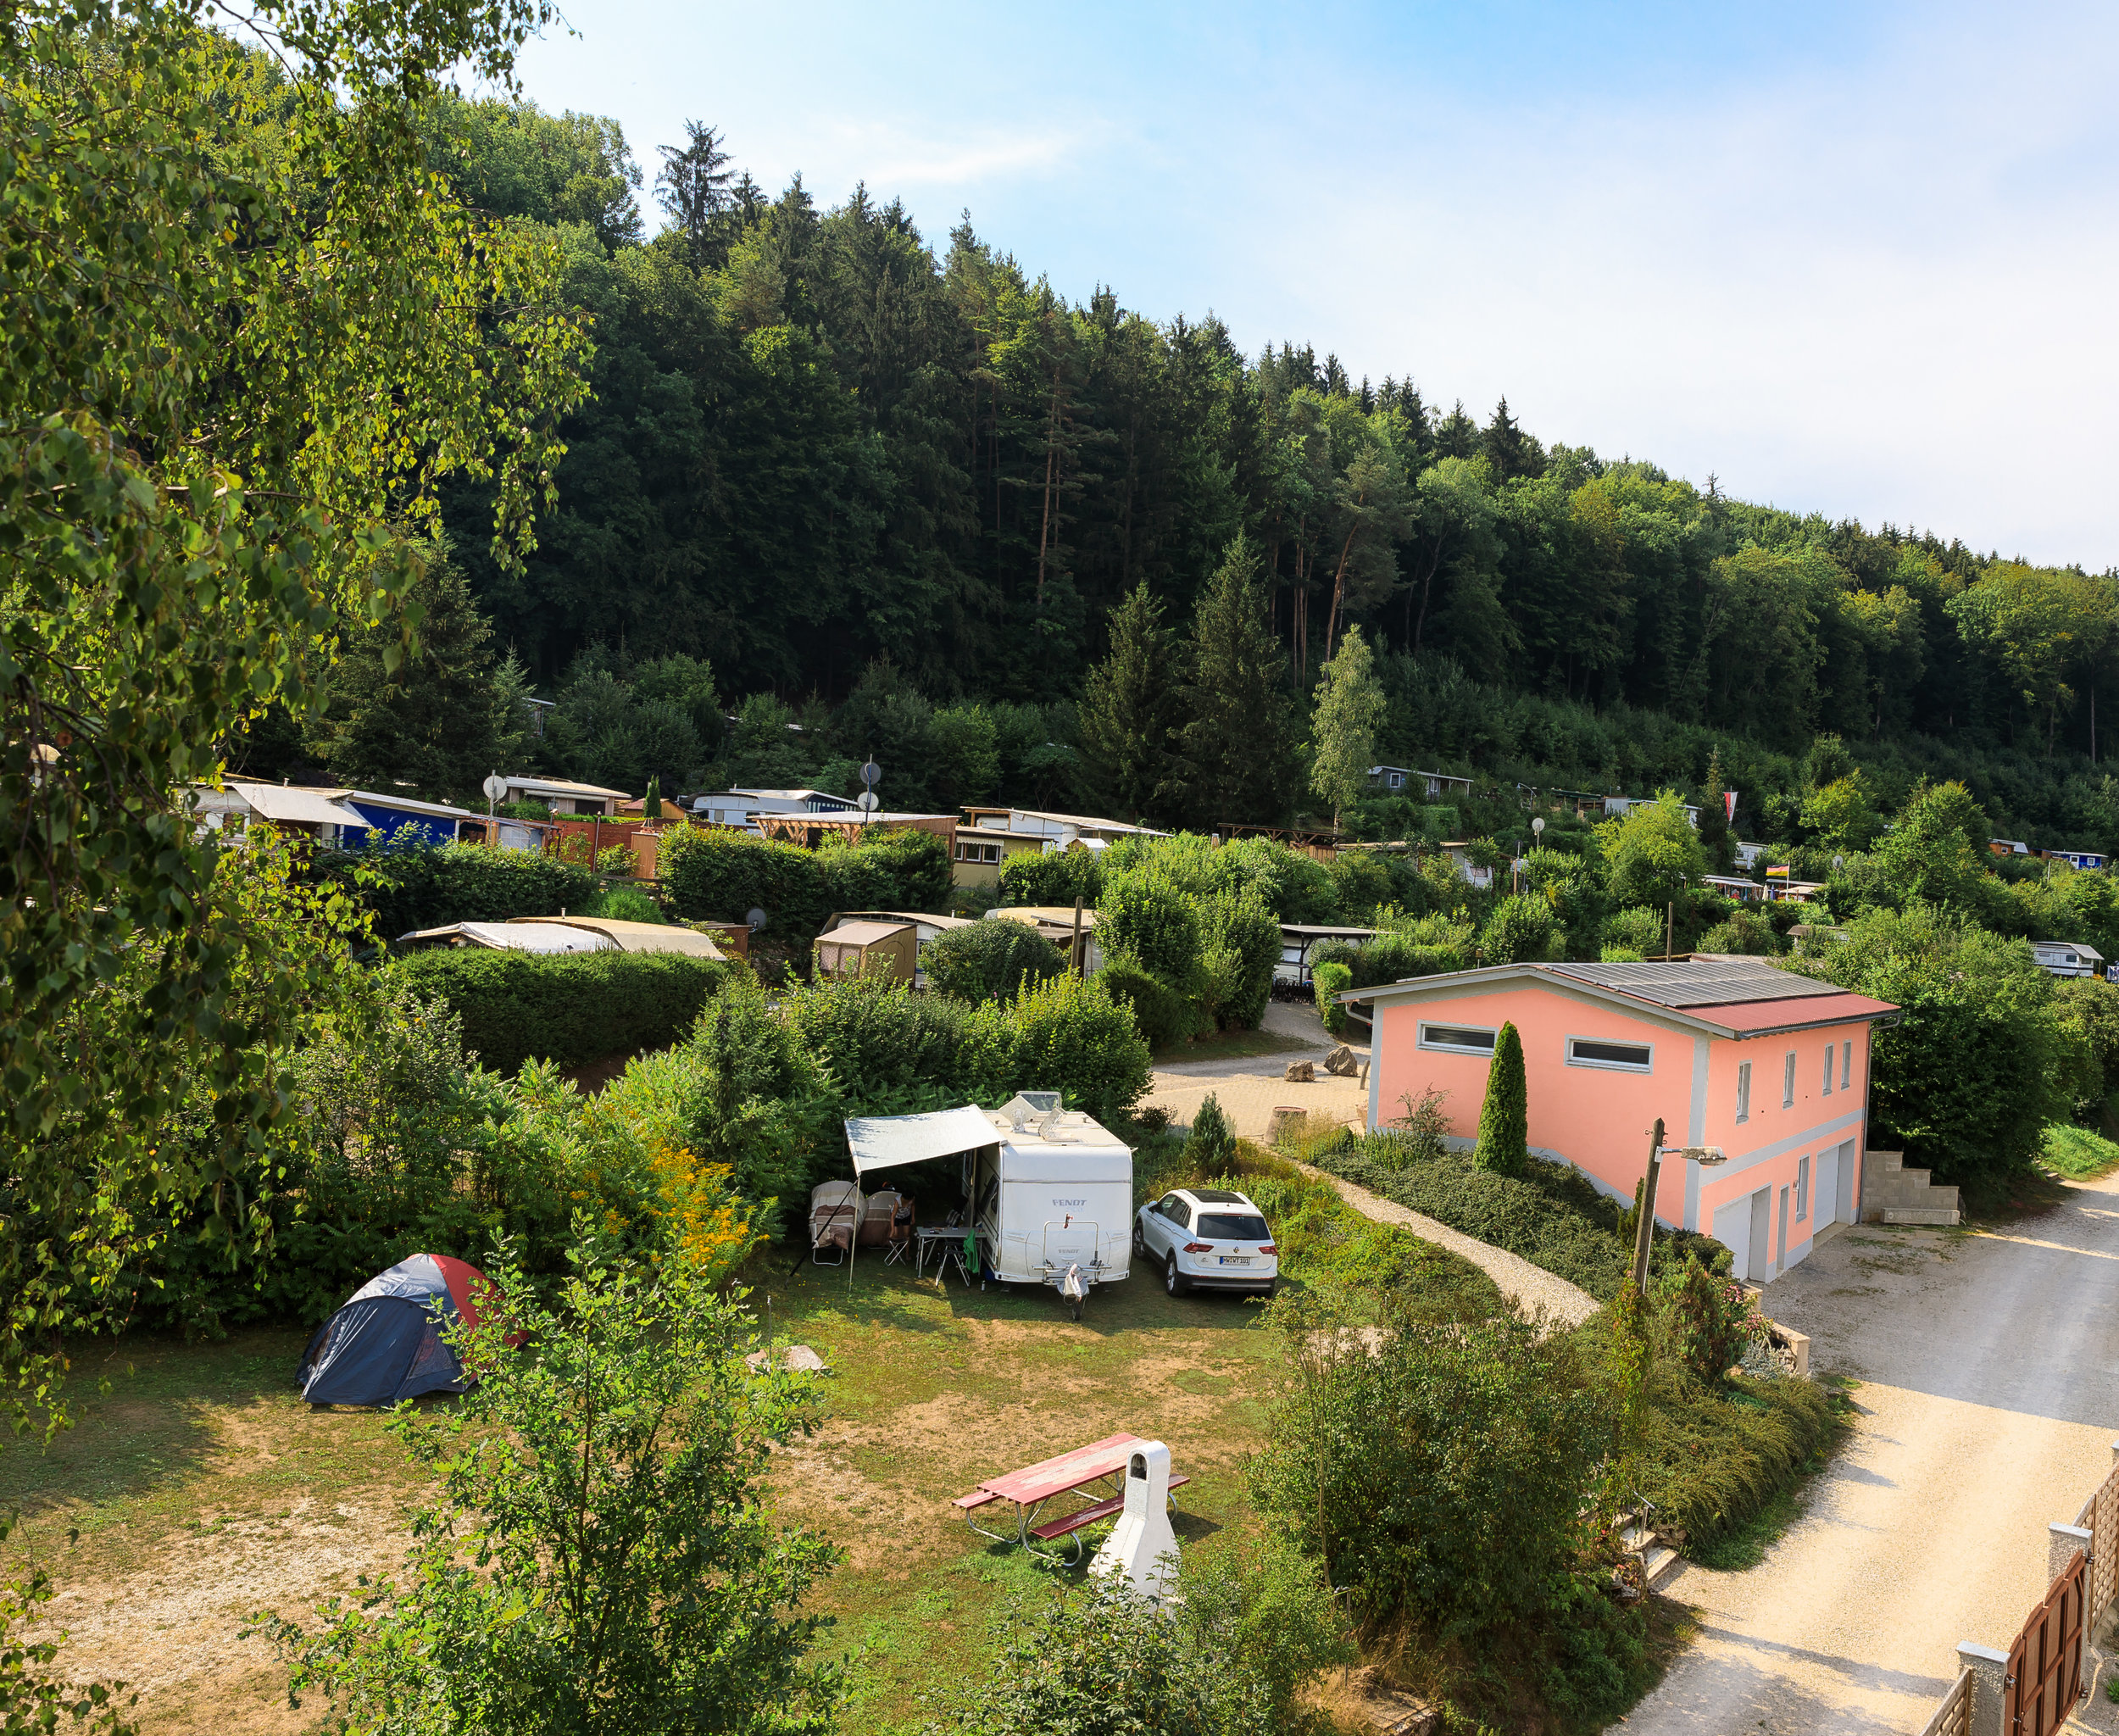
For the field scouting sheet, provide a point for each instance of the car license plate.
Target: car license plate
(1236, 1259)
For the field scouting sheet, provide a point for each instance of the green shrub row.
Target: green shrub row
(721, 877)
(429, 887)
(570, 1009)
(890, 1049)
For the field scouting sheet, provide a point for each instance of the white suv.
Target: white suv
(1208, 1238)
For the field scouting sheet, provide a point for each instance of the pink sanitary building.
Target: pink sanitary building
(1770, 1067)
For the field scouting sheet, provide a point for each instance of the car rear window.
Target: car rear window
(1230, 1226)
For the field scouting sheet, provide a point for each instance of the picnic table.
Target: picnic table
(1032, 1487)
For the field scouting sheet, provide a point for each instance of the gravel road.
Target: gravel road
(1988, 1403)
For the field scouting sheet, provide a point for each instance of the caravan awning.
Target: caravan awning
(884, 1141)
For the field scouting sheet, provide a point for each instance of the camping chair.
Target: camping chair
(951, 1253)
(900, 1232)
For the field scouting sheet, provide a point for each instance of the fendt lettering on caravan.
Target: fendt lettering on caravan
(1048, 1193)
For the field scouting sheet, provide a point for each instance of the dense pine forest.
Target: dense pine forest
(827, 457)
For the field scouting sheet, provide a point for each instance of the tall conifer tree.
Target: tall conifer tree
(1125, 715)
(1236, 750)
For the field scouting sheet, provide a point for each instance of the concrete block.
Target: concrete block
(1989, 1670)
(2063, 1543)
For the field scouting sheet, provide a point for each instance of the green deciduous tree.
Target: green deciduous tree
(252, 331)
(1349, 710)
(1652, 856)
(602, 1556)
(1503, 1144)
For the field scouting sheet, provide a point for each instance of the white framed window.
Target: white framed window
(1802, 1188)
(1830, 1057)
(1846, 1064)
(1787, 1081)
(1600, 1052)
(1458, 1039)
(1744, 1091)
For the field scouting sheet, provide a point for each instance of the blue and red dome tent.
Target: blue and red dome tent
(386, 1345)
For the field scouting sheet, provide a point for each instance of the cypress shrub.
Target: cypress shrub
(1210, 1147)
(570, 1008)
(1503, 1143)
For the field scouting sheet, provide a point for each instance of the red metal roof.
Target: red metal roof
(1746, 1017)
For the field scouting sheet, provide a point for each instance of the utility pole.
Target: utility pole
(1644, 1230)
(1074, 952)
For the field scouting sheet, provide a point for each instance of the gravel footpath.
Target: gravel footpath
(1988, 1400)
(1530, 1288)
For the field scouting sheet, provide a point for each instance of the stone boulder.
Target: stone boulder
(1302, 1072)
(1342, 1061)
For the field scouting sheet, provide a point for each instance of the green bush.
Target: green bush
(433, 887)
(1744, 931)
(1101, 1658)
(1522, 930)
(1637, 930)
(893, 870)
(1714, 1454)
(621, 904)
(989, 960)
(1072, 1036)
(1440, 1468)
(1504, 1117)
(569, 1007)
(1052, 877)
(1239, 949)
(881, 1040)
(1164, 1017)
(1146, 915)
(1328, 982)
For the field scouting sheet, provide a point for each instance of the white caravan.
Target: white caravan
(1049, 1192)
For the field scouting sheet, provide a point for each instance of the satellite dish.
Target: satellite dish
(756, 918)
(871, 774)
(495, 786)
(866, 802)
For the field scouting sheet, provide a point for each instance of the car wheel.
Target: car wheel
(1173, 1281)
(1271, 1290)
(1140, 1242)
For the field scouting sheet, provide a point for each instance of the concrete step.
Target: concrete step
(1917, 1215)
(1659, 1563)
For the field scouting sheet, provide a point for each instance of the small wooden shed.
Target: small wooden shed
(887, 949)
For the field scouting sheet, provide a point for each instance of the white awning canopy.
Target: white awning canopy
(520, 937)
(299, 807)
(884, 1141)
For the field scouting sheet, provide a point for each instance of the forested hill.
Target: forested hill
(818, 440)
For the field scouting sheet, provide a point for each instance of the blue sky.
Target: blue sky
(1854, 259)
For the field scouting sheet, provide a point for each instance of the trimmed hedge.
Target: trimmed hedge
(570, 1008)
(430, 887)
(1052, 877)
(721, 877)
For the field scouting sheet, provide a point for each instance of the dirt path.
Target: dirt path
(1988, 1403)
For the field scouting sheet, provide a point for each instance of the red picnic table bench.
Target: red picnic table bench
(1071, 1473)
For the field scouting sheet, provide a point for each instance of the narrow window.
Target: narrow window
(1829, 1058)
(1846, 1063)
(1461, 1039)
(1744, 1091)
(1787, 1081)
(1802, 1188)
(1627, 1057)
